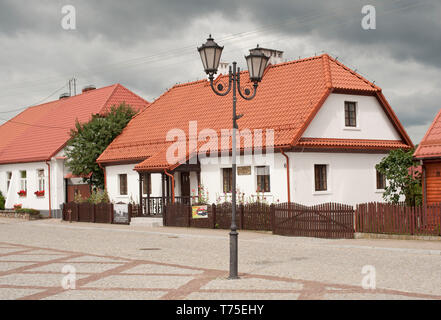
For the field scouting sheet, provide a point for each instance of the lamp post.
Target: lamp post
(210, 53)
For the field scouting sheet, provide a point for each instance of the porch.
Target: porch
(175, 185)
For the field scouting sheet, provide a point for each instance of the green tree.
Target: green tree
(2, 201)
(401, 179)
(89, 140)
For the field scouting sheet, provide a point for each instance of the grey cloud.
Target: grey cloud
(111, 31)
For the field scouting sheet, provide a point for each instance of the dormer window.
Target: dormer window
(350, 114)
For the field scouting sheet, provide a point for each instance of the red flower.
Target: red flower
(39, 193)
(22, 193)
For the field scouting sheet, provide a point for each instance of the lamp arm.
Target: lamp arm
(230, 80)
(240, 91)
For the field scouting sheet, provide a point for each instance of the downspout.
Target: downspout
(287, 175)
(50, 195)
(173, 184)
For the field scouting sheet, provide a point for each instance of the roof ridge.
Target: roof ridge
(110, 96)
(327, 71)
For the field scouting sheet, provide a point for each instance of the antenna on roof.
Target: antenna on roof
(73, 85)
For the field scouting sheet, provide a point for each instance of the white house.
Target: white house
(32, 162)
(329, 128)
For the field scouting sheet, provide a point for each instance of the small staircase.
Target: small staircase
(147, 222)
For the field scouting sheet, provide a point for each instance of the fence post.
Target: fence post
(130, 213)
(111, 213)
(189, 215)
(213, 213)
(78, 212)
(164, 217)
(94, 213)
(273, 217)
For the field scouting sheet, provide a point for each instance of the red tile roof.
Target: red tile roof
(39, 132)
(351, 143)
(430, 146)
(288, 98)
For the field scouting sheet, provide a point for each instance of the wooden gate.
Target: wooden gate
(329, 220)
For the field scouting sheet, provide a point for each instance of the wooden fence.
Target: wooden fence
(329, 220)
(248, 217)
(387, 218)
(88, 212)
(326, 221)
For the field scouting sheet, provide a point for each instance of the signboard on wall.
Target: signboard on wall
(121, 213)
(199, 212)
(244, 171)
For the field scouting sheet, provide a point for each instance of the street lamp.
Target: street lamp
(210, 53)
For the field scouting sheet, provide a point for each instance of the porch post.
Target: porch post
(163, 192)
(140, 193)
(199, 182)
(149, 183)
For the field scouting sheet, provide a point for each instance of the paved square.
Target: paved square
(193, 264)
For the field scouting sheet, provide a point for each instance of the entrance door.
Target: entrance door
(185, 187)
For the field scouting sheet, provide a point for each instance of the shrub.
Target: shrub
(99, 196)
(2, 201)
(30, 211)
(78, 198)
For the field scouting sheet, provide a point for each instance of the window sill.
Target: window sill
(352, 128)
(321, 193)
(380, 191)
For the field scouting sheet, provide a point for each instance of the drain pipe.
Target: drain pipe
(287, 174)
(173, 184)
(49, 176)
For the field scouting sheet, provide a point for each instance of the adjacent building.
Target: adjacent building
(32, 160)
(429, 154)
(328, 128)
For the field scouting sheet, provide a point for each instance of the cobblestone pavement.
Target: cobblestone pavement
(34, 271)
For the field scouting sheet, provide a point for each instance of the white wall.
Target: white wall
(112, 180)
(351, 177)
(372, 121)
(31, 200)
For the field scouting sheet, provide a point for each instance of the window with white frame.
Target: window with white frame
(381, 181)
(23, 181)
(321, 177)
(41, 179)
(8, 180)
(227, 179)
(350, 114)
(263, 179)
(123, 184)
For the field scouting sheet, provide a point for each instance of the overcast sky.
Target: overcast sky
(148, 46)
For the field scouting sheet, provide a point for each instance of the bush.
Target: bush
(30, 211)
(2, 201)
(99, 196)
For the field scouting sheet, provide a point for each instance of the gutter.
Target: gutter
(50, 196)
(287, 175)
(173, 184)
